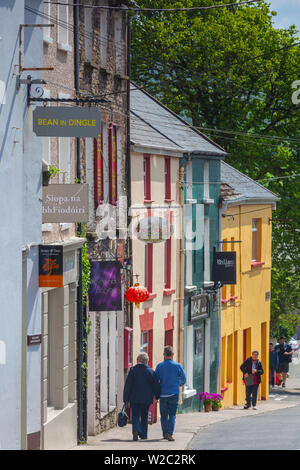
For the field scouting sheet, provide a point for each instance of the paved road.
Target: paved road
(278, 430)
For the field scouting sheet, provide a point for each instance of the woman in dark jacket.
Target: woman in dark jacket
(252, 371)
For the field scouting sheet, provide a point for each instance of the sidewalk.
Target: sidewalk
(187, 425)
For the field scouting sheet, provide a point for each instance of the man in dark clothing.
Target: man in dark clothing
(140, 388)
(253, 369)
(285, 353)
(273, 363)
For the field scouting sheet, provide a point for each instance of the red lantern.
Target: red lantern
(137, 294)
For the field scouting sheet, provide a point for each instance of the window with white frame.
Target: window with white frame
(63, 26)
(118, 41)
(144, 342)
(103, 38)
(88, 30)
(47, 20)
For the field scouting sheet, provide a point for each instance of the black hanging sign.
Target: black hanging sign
(224, 267)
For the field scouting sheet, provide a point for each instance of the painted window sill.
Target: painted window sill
(169, 291)
(257, 264)
(188, 393)
(231, 299)
(47, 40)
(169, 200)
(148, 201)
(225, 388)
(64, 47)
(208, 201)
(151, 296)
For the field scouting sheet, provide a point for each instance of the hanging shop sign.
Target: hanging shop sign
(65, 203)
(51, 266)
(224, 267)
(199, 307)
(68, 121)
(154, 229)
(105, 293)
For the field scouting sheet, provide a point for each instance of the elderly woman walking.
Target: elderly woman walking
(140, 388)
(252, 371)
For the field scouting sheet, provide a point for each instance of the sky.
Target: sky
(288, 12)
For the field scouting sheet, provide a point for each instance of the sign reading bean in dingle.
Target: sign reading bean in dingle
(66, 122)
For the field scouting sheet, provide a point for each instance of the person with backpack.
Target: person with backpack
(141, 387)
(252, 371)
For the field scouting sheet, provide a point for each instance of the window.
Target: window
(64, 159)
(103, 37)
(147, 178)
(63, 27)
(169, 338)
(118, 42)
(149, 267)
(98, 169)
(168, 255)
(47, 20)
(256, 240)
(229, 358)
(113, 164)
(147, 344)
(88, 31)
(167, 179)
(206, 179)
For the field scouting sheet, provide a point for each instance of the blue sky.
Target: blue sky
(288, 12)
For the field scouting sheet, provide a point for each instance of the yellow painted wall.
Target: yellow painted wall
(250, 311)
(161, 305)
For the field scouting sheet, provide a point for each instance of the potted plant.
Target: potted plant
(207, 401)
(216, 401)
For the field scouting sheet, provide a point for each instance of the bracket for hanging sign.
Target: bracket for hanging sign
(20, 65)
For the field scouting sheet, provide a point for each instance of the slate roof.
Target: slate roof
(243, 188)
(151, 122)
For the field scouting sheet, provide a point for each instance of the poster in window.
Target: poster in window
(51, 266)
(105, 293)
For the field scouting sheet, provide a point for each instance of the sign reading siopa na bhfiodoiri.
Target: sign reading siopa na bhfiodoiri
(66, 122)
(65, 203)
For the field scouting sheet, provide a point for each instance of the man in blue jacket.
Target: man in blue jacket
(171, 376)
(140, 388)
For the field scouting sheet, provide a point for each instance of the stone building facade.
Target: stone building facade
(104, 74)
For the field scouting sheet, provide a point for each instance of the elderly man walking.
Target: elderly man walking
(171, 376)
(140, 388)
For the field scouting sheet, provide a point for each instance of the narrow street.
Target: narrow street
(277, 430)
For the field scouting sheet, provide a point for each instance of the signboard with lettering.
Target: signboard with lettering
(224, 267)
(59, 121)
(65, 203)
(199, 307)
(51, 266)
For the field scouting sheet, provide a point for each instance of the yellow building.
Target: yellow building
(246, 227)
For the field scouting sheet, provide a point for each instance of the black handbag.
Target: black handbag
(122, 418)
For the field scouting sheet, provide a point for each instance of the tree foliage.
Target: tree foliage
(230, 69)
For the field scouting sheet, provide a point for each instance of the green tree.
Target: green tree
(230, 69)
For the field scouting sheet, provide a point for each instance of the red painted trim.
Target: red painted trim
(167, 178)
(147, 179)
(113, 164)
(257, 264)
(148, 201)
(146, 321)
(223, 389)
(232, 298)
(169, 322)
(225, 301)
(98, 170)
(169, 200)
(169, 337)
(169, 291)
